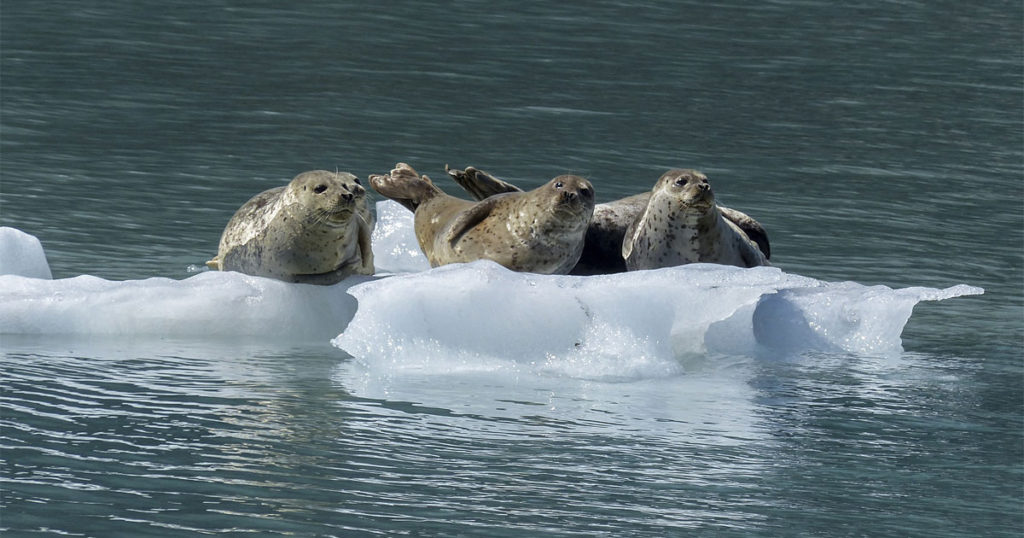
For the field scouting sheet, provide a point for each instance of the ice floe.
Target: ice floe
(465, 316)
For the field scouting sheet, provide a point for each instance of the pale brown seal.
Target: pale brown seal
(682, 224)
(602, 251)
(315, 230)
(540, 231)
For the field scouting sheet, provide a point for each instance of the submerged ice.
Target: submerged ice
(477, 316)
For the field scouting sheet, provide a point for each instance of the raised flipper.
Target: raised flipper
(480, 184)
(404, 186)
(751, 227)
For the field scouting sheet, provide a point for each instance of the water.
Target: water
(878, 142)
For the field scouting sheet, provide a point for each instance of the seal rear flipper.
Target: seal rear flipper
(215, 264)
(753, 257)
(468, 219)
(480, 184)
(404, 186)
(321, 279)
(750, 227)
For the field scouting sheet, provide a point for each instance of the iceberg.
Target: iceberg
(470, 317)
(632, 325)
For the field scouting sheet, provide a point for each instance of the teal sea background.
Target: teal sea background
(880, 142)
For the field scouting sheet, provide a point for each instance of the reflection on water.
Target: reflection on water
(877, 143)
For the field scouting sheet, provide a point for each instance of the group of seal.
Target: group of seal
(317, 228)
(676, 223)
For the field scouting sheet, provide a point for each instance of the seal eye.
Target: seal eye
(559, 185)
(681, 182)
(358, 182)
(319, 189)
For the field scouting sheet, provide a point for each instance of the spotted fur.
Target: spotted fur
(540, 231)
(682, 224)
(314, 230)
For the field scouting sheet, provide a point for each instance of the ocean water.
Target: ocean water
(880, 143)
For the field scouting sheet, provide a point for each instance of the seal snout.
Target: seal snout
(352, 192)
(573, 189)
(582, 194)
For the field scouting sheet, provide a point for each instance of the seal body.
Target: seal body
(314, 230)
(539, 231)
(602, 250)
(682, 224)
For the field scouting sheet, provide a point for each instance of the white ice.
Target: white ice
(475, 316)
(644, 324)
(22, 254)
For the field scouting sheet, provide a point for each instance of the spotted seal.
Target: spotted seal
(682, 224)
(540, 231)
(602, 251)
(314, 230)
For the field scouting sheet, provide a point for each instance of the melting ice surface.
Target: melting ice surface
(466, 316)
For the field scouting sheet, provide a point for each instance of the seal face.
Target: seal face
(539, 231)
(314, 230)
(602, 250)
(682, 224)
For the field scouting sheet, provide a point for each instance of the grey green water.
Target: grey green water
(879, 142)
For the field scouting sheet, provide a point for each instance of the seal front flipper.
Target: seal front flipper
(633, 236)
(750, 227)
(480, 184)
(468, 219)
(364, 246)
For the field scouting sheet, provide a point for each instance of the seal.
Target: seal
(539, 231)
(682, 224)
(314, 230)
(602, 250)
